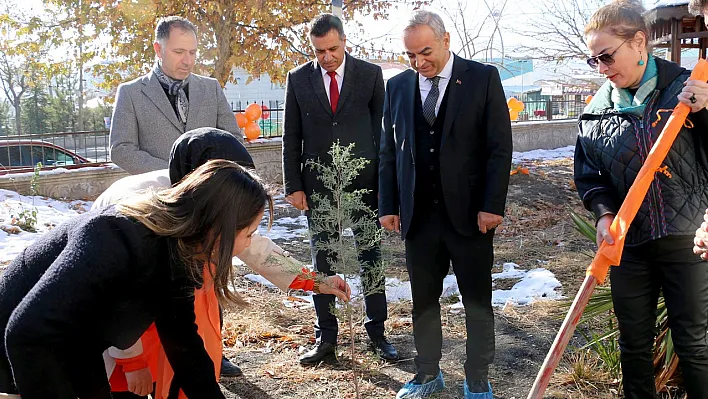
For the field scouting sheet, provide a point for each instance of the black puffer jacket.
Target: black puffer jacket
(612, 147)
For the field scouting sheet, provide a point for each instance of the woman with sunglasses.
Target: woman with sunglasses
(617, 130)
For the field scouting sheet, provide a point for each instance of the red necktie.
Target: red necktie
(333, 90)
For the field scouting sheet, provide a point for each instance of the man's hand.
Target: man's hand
(603, 230)
(298, 200)
(391, 223)
(701, 240)
(139, 381)
(487, 221)
(335, 285)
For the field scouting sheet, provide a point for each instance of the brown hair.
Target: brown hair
(696, 7)
(204, 212)
(621, 18)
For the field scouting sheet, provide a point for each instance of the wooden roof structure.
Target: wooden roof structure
(673, 27)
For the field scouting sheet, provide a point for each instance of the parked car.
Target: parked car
(23, 154)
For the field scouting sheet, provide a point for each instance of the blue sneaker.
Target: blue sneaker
(478, 395)
(422, 386)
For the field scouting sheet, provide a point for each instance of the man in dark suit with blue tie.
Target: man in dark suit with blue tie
(443, 176)
(335, 98)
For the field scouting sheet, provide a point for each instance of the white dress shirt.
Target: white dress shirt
(339, 76)
(425, 84)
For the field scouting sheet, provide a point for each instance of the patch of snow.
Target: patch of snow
(58, 171)
(260, 279)
(50, 212)
(265, 140)
(535, 284)
(509, 270)
(538, 155)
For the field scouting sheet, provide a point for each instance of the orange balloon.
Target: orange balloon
(253, 112)
(252, 130)
(588, 99)
(515, 105)
(513, 115)
(241, 120)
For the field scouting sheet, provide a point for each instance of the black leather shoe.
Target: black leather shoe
(318, 353)
(229, 369)
(385, 350)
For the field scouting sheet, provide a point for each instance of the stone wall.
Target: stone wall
(267, 157)
(84, 183)
(527, 136)
(91, 182)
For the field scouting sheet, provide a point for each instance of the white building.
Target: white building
(260, 90)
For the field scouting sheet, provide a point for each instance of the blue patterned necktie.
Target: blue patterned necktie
(431, 101)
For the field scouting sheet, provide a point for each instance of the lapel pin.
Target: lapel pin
(458, 82)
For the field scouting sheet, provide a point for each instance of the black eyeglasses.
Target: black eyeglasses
(607, 59)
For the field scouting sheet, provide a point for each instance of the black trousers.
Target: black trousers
(667, 264)
(326, 327)
(431, 245)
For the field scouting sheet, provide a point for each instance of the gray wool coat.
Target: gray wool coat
(144, 124)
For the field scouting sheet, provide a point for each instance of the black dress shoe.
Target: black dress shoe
(385, 350)
(318, 353)
(229, 369)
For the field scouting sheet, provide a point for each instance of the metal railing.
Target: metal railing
(548, 110)
(92, 147)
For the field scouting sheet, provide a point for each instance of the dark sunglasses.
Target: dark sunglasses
(607, 59)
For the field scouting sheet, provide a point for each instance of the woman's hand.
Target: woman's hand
(139, 381)
(694, 94)
(335, 285)
(603, 230)
(700, 242)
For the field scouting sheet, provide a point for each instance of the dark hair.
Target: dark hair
(203, 213)
(696, 7)
(621, 18)
(165, 25)
(322, 24)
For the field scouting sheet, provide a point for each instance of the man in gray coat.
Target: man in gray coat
(152, 111)
(316, 116)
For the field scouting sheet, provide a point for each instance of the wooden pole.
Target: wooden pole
(566, 332)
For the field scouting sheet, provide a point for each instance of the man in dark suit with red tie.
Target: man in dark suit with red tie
(444, 172)
(335, 98)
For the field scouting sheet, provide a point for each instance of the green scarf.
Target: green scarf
(624, 102)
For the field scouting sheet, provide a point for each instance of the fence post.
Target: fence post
(549, 110)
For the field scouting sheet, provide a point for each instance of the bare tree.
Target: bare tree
(557, 30)
(472, 26)
(14, 83)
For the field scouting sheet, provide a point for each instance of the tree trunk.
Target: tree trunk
(222, 64)
(18, 116)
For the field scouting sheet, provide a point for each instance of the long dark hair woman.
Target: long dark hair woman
(617, 130)
(101, 279)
